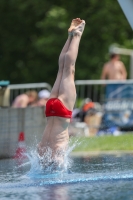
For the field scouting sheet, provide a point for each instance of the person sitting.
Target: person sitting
(43, 96)
(62, 99)
(24, 100)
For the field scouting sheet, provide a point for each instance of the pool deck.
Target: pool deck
(97, 153)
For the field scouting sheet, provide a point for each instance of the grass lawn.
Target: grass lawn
(102, 143)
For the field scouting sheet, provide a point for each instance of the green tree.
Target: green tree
(32, 34)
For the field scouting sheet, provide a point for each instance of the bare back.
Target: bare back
(56, 133)
(114, 71)
(21, 101)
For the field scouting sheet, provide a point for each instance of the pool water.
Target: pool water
(91, 177)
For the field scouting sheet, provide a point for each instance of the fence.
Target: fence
(96, 89)
(31, 121)
(8, 94)
(116, 98)
(93, 89)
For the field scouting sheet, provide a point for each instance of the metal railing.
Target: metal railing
(95, 89)
(17, 89)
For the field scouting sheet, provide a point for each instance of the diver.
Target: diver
(60, 105)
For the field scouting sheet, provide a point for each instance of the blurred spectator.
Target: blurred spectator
(43, 96)
(24, 100)
(91, 113)
(79, 114)
(114, 69)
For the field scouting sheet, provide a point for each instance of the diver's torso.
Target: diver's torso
(56, 133)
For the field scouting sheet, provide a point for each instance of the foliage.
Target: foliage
(32, 34)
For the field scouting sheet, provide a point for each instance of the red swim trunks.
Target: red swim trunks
(54, 107)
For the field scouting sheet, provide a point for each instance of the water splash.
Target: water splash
(36, 175)
(45, 166)
(46, 173)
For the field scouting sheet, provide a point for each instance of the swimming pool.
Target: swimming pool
(89, 177)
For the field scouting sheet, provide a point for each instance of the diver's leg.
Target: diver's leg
(67, 91)
(55, 89)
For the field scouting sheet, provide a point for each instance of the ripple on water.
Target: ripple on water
(29, 172)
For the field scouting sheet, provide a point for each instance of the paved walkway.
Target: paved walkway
(97, 153)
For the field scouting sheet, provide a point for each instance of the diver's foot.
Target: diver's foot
(74, 23)
(77, 27)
